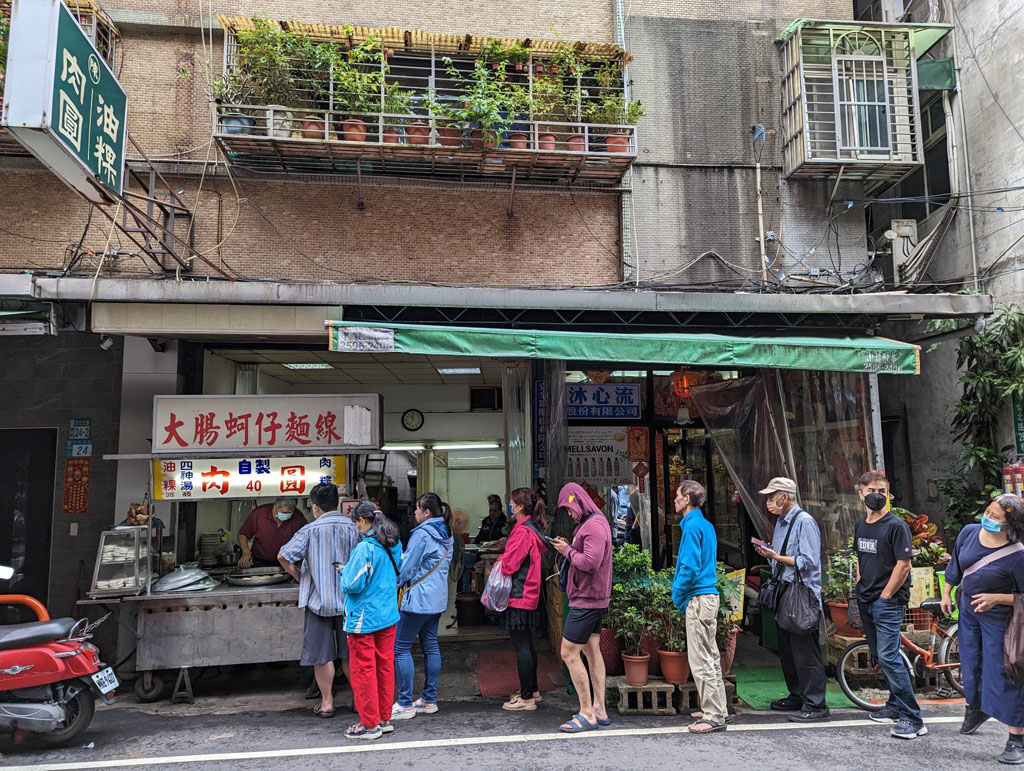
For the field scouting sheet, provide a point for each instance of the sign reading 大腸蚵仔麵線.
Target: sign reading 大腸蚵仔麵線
(63, 102)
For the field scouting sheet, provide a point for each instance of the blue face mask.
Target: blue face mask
(511, 510)
(284, 516)
(991, 525)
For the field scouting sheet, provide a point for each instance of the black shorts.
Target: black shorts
(582, 623)
(323, 639)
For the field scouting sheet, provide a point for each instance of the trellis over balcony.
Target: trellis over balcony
(851, 107)
(420, 105)
(102, 33)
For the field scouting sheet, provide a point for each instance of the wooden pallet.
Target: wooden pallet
(655, 698)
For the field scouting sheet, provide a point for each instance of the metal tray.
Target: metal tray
(258, 577)
(178, 579)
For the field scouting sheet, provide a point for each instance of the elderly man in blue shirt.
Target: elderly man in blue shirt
(796, 546)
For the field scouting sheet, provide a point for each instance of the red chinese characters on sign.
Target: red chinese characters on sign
(237, 424)
(298, 429)
(215, 479)
(267, 424)
(207, 431)
(325, 428)
(293, 479)
(171, 430)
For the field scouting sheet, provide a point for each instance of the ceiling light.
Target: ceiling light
(402, 447)
(468, 446)
(458, 370)
(312, 365)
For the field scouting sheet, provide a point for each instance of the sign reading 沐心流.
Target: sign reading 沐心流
(62, 101)
(307, 424)
(251, 477)
(611, 401)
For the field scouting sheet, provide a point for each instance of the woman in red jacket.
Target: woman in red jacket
(521, 560)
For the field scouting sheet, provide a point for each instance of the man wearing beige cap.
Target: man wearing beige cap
(796, 548)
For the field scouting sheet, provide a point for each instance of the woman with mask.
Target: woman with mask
(370, 583)
(521, 561)
(424, 580)
(988, 565)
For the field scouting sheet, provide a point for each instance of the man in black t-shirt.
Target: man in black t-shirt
(883, 545)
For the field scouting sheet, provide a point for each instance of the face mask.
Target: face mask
(511, 510)
(284, 516)
(875, 501)
(991, 525)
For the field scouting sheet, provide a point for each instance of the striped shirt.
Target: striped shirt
(329, 538)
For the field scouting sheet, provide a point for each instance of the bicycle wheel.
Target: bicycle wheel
(862, 679)
(949, 653)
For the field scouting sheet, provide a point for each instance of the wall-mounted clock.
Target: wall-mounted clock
(412, 420)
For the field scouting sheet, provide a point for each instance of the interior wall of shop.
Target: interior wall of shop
(705, 82)
(996, 153)
(45, 383)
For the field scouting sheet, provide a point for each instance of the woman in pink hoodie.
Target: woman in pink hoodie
(521, 560)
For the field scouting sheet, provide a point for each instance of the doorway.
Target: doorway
(26, 513)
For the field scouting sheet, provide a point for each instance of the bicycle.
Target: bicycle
(863, 681)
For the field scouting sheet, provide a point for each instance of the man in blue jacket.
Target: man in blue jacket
(695, 593)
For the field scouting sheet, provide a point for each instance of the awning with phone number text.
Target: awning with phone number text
(837, 353)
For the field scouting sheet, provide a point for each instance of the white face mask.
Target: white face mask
(284, 516)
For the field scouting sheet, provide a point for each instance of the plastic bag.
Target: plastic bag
(496, 592)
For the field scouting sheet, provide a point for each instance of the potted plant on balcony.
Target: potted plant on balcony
(517, 55)
(838, 586)
(359, 77)
(312, 65)
(669, 629)
(554, 103)
(610, 111)
(397, 102)
(488, 103)
(5, 34)
(264, 61)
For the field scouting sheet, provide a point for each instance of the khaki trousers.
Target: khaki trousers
(705, 660)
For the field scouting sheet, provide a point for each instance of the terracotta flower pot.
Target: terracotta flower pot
(650, 646)
(391, 135)
(577, 143)
(518, 140)
(636, 668)
(546, 142)
(675, 667)
(313, 127)
(840, 617)
(617, 142)
(519, 66)
(729, 654)
(450, 136)
(418, 133)
(353, 130)
(478, 138)
(611, 652)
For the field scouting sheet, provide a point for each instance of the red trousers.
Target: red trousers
(372, 661)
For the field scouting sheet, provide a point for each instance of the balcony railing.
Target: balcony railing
(295, 140)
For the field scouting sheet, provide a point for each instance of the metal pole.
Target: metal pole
(967, 158)
(760, 223)
(876, 423)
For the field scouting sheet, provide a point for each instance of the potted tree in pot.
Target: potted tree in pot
(487, 104)
(265, 60)
(837, 587)
(631, 569)
(730, 599)
(397, 105)
(612, 110)
(631, 622)
(669, 629)
(358, 82)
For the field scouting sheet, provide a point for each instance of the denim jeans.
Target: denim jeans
(881, 620)
(411, 626)
(469, 560)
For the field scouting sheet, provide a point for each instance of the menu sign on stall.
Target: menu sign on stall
(251, 477)
(305, 424)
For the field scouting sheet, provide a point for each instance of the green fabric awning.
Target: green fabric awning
(799, 351)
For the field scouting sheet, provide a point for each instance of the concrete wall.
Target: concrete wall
(705, 79)
(47, 382)
(996, 155)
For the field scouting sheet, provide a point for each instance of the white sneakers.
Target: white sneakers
(399, 712)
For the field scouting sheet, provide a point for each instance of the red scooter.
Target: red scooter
(50, 676)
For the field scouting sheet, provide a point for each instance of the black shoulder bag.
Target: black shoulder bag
(799, 609)
(771, 592)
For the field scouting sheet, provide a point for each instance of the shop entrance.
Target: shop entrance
(26, 513)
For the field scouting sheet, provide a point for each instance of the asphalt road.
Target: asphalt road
(477, 734)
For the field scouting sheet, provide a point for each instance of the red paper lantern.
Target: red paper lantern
(681, 384)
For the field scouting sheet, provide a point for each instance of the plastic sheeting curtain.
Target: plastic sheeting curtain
(812, 426)
(552, 424)
(516, 382)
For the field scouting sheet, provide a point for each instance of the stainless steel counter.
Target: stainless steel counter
(222, 593)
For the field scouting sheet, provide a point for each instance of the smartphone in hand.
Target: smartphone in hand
(759, 542)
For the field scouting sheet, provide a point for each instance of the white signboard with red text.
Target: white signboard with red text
(177, 479)
(302, 424)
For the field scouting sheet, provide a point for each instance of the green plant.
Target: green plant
(615, 110)
(840, 573)
(397, 101)
(5, 35)
(628, 617)
(992, 369)
(608, 75)
(630, 565)
(730, 597)
(517, 53)
(264, 63)
(927, 545)
(668, 625)
(554, 101)
(488, 101)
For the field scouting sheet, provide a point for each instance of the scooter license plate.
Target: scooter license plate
(105, 680)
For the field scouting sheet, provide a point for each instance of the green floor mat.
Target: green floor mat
(760, 686)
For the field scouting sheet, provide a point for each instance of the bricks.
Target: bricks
(655, 698)
(687, 700)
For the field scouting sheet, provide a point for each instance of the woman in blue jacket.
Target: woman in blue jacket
(424, 579)
(370, 583)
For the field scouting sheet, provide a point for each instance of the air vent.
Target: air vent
(485, 399)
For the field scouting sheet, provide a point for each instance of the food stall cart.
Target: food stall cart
(203, 454)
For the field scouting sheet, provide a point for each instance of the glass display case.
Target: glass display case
(122, 562)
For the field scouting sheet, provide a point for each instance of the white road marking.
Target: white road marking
(386, 746)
